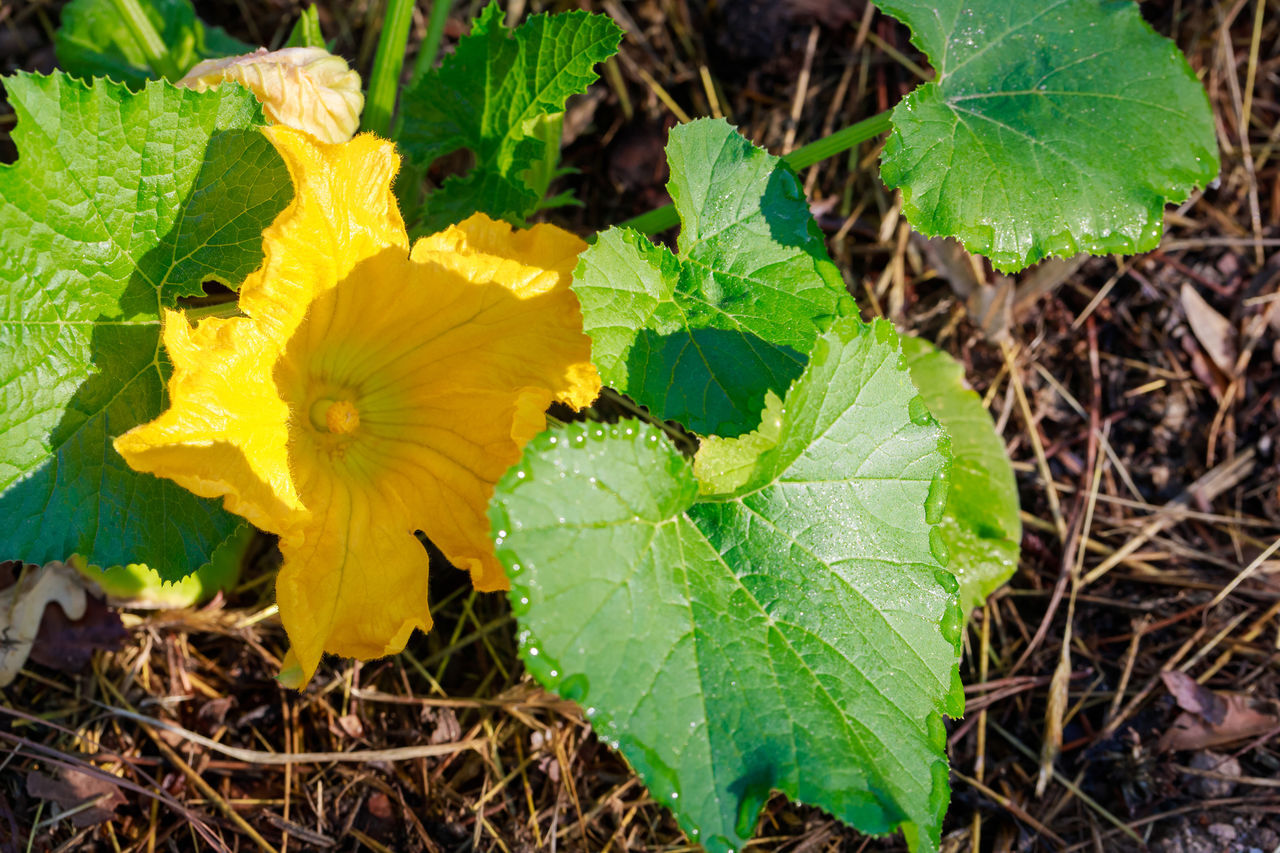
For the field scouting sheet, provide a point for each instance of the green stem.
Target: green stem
(430, 47)
(384, 82)
(841, 140)
(149, 41)
(663, 218)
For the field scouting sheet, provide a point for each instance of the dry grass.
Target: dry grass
(1148, 476)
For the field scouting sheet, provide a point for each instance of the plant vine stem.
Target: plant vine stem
(412, 176)
(663, 218)
(430, 47)
(149, 41)
(384, 82)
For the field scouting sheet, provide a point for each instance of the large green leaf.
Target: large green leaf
(488, 97)
(119, 203)
(93, 40)
(701, 336)
(980, 525)
(797, 633)
(1053, 128)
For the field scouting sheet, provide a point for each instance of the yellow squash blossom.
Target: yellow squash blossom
(306, 88)
(370, 391)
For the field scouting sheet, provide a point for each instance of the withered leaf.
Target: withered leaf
(73, 788)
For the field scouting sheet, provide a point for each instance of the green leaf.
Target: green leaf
(797, 634)
(1053, 128)
(702, 335)
(306, 32)
(488, 96)
(980, 525)
(119, 204)
(93, 41)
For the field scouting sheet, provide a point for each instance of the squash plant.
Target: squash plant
(772, 603)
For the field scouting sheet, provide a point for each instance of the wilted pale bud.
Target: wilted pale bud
(306, 88)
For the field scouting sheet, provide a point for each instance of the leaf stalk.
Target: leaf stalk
(148, 40)
(430, 47)
(384, 81)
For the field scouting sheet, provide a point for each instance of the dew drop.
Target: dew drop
(918, 411)
(936, 501)
(533, 651)
(938, 547)
(952, 624)
(520, 475)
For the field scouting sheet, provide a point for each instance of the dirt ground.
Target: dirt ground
(1137, 394)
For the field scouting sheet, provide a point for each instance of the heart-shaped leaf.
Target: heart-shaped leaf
(797, 632)
(1053, 128)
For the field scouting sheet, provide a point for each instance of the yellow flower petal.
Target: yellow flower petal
(369, 393)
(306, 88)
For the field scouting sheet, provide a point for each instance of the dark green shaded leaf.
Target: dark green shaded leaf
(119, 204)
(488, 97)
(1053, 128)
(797, 633)
(702, 335)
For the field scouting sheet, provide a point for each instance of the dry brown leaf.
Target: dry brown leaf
(73, 788)
(1238, 717)
(1214, 332)
(22, 608)
(68, 644)
(1195, 697)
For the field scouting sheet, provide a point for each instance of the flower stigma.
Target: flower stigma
(339, 417)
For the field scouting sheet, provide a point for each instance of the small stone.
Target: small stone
(1222, 831)
(1213, 762)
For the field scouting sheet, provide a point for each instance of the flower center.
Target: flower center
(335, 416)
